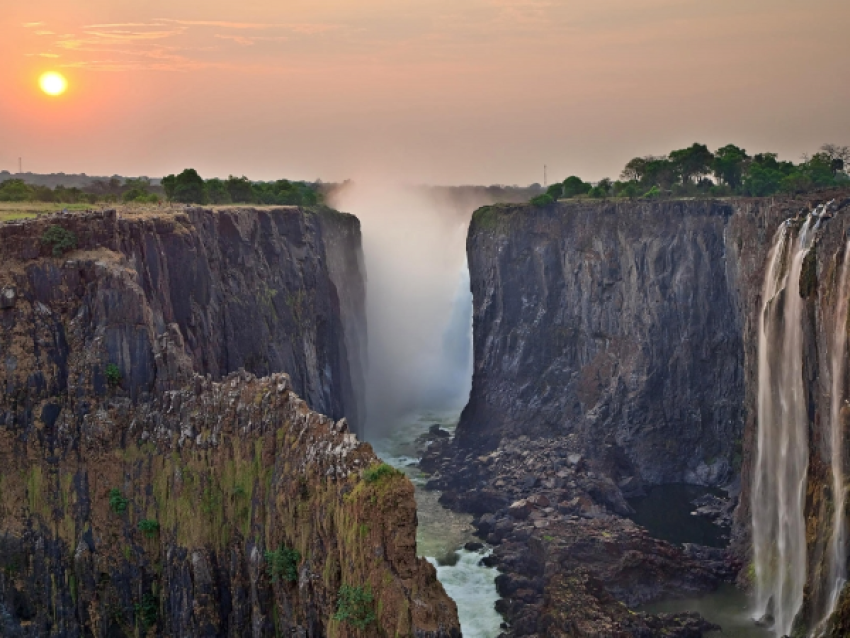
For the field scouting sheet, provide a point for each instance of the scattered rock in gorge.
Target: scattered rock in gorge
(145, 491)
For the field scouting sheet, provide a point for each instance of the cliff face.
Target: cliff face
(241, 288)
(146, 491)
(628, 335)
(616, 324)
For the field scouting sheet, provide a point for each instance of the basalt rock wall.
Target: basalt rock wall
(278, 290)
(147, 488)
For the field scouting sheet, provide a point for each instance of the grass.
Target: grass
(11, 211)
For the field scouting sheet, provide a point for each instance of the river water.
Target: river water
(442, 533)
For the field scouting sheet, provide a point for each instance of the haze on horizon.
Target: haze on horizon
(440, 91)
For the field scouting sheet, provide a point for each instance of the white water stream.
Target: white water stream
(779, 539)
(441, 533)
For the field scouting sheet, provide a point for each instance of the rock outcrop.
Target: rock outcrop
(148, 485)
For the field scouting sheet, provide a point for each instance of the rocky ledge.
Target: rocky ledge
(570, 562)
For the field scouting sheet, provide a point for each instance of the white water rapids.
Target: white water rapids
(441, 533)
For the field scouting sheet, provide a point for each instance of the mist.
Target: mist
(418, 301)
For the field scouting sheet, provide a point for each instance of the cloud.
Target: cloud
(135, 35)
(251, 40)
(45, 33)
(30, 25)
(41, 55)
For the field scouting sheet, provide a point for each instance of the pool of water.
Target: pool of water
(728, 607)
(442, 533)
(665, 512)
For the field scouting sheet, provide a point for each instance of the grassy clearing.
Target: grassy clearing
(10, 211)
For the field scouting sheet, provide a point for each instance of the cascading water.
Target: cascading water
(779, 539)
(837, 556)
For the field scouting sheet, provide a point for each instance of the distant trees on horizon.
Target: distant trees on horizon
(696, 171)
(186, 187)
(190, 188)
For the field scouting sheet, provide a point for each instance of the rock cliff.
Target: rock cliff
(616, 347)
(616, 324)
(150, 484)
(235, 288)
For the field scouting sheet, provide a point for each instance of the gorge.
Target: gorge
(617, 347)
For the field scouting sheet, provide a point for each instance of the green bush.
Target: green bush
(61, 239)
(117, 503)
(149, 527)
(377, 472)
(541, 201)
(283, 563)
(147, 611)
(113, 375)
(354, 605)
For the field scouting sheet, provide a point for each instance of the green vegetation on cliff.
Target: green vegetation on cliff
(190, 188)
(695, 171)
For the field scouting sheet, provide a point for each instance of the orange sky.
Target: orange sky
(449, 91)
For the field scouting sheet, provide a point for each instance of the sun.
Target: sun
(53, 83)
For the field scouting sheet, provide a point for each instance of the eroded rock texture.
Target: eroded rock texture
(145, 491)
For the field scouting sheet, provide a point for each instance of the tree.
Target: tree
(573, 186)
(839, 156)
(555, 190)
(728, 165)
(240, 189)
(660, 172)
(15, 190)
(636, 169)
(694, 161)
(188, 187)
(217, 192)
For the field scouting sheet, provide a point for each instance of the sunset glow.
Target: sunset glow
(53, 83)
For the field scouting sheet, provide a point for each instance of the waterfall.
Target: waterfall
(837, 557)
(778, 497)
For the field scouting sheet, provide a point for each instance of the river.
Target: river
(442, 533)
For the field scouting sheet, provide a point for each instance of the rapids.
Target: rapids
(442, 533)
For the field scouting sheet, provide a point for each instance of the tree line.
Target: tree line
(186, 187)
(107, 191)
(190, 188)
(696, 171)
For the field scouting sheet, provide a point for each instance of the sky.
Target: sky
(436, 91)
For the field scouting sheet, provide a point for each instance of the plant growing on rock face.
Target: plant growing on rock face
(283, 563)
(61, 239)
(147, 611)
(354, 605)
(117, 503)
(113, 375)
(377, 472)
(149, 527)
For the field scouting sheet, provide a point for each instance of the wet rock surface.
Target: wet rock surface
(570, 562)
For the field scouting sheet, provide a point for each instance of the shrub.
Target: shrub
(117, 503)
(377, 472)
(113, 375)
(541, 201)
(61, 239)
(354, 606)
(149, 527)
(283, 563)
(653, 193)
(147, 611)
